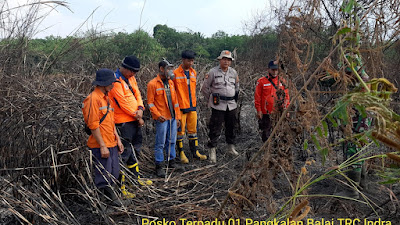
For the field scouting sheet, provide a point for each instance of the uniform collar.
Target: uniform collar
(98, 92)
(272, 78)
(220, 69)
(159, 78)
(118, 75)
(182, 70)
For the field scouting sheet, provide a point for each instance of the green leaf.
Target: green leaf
(340, 112)
(319, 131)
(325, 126)
(324, 153)
(364, 140)
(361, 110)
(316, 142)
(390, 181)
(332, 120)
(351, 39)
(344, 30)
(349, 6)
(305, 145)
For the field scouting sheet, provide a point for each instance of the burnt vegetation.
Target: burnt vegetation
(46, 170)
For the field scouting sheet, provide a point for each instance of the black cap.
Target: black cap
(272, 65)
(164, 63)
(104, 77)
(131, 63)
(188, 54)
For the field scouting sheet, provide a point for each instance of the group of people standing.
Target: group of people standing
(113, 111)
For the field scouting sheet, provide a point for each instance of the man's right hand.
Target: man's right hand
(161, 119)
(105, 153)
(259, 115)
(139, 114)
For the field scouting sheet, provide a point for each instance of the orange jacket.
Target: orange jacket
(182, 87)
(97, 103)
(265, 95)
(157, 99)
(125, 102)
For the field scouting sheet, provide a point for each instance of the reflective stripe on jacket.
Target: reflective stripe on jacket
(157, 99)
(97, 103)
(181, 85)
(124, 101)
(265, 95)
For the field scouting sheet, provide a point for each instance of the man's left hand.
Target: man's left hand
(178, 123)
(141, 122)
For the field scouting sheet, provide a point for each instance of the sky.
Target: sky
(204, 16)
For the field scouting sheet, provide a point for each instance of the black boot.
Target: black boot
(160, 170)
(110, 194)
(172, 164)
(193, 142)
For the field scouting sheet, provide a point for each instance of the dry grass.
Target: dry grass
(46, 169)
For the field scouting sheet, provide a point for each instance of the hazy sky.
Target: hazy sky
(204, 16)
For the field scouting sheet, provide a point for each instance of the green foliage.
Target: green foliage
(390, 175)
(95, 50)
(119, 45)
(175, 42)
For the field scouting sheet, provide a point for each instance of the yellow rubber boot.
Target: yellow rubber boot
(200, 156)
(125, 193)
(182, 156)
(135, 170)
(193, 143)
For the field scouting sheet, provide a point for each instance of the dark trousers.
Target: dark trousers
(265, 126)
(130, 133)
(217, 118)
(106, 170)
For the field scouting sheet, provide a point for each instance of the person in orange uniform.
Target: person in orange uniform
(104, 141)
(271, 96)
(164, 108)
(129, 109)
(185, 85)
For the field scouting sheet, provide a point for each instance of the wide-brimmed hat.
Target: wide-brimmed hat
(104, 77)
(225, 54)
(131, 63)
(272, 65)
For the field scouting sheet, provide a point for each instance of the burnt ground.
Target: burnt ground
(198, 192)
